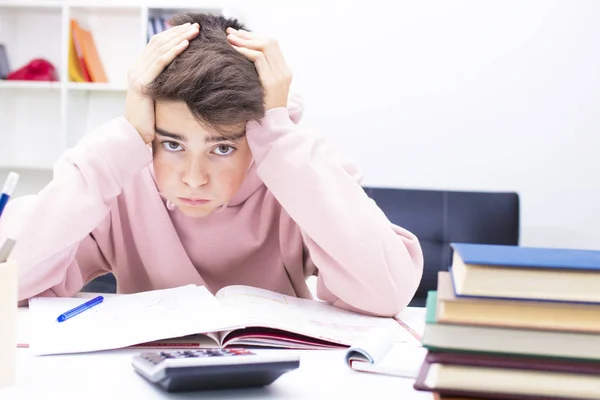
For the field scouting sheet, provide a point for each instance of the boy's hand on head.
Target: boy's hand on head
(159, 52)
(274, 73)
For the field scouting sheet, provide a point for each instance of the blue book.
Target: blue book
(527, 257)
(532, 273)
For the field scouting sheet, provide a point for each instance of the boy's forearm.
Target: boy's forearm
(49, 226)
(363, 260)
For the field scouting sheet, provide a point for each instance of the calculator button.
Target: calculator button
(200, 353)
(153, 358)
(174, 354)
(239, 352)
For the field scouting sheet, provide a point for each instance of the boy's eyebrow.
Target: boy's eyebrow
(222, 138)
(210, 139)
(175, 136)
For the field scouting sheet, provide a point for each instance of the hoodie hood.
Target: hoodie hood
(252, 182)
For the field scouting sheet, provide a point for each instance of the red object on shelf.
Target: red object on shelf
(36, 70)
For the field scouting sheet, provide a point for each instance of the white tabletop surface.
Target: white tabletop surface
(323, 374)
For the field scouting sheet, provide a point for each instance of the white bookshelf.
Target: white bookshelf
(40, 120)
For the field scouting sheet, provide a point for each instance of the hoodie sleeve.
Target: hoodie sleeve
(364, 262)
(55, 250)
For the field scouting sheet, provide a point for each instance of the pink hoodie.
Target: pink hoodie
(300, 212)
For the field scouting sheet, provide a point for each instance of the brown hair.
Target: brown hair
(220, 86)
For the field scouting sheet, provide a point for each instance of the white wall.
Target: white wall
(464, 95)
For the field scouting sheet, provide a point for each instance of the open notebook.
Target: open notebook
(378, 352)
(191, 316)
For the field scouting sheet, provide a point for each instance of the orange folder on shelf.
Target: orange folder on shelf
(77, 69)
(91, 65)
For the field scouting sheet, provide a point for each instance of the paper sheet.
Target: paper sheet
(125, 320)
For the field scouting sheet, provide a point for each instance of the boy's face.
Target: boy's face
(196, 169)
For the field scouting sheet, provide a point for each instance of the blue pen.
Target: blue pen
(8, 189)
(79, 309)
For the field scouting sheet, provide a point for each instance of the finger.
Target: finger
(259, 60)
(176, 34)
(254, 44)
(270, 48)
(188, 35)
(145, 69)
(175, 30)
(165, 43)
(167, 34)
(244, 34)
(175, 40)
(160, 63)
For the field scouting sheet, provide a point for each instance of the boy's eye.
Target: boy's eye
(223, 150)
(171, 146)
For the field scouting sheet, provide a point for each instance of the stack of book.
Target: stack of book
(511, 322)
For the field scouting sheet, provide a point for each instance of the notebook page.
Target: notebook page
(125, 320)
(377, 354)
(371, 347)
(259, 307)
(400, 359)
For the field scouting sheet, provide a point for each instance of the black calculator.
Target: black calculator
(209, 369)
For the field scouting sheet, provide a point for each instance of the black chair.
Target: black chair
(103, 284)
(439, 218)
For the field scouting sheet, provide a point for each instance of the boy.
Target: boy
(209, 180)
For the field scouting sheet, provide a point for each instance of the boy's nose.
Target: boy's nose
(195, 175)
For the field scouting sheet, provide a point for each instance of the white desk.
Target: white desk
(323, 374)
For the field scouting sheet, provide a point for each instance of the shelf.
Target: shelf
(40, 120)
(24, 44)
(102, 87)
(93, 8)
(34, 85)
(31, 128)
(115, 4)
(182, 5)
(89, 110)
(31, 4)
(96, 4)
(172, 9)
(117, 36)
(27, 167)
(39, 85)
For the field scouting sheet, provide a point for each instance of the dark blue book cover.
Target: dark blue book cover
(527, 257)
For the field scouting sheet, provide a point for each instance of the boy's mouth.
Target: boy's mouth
(193, 201)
